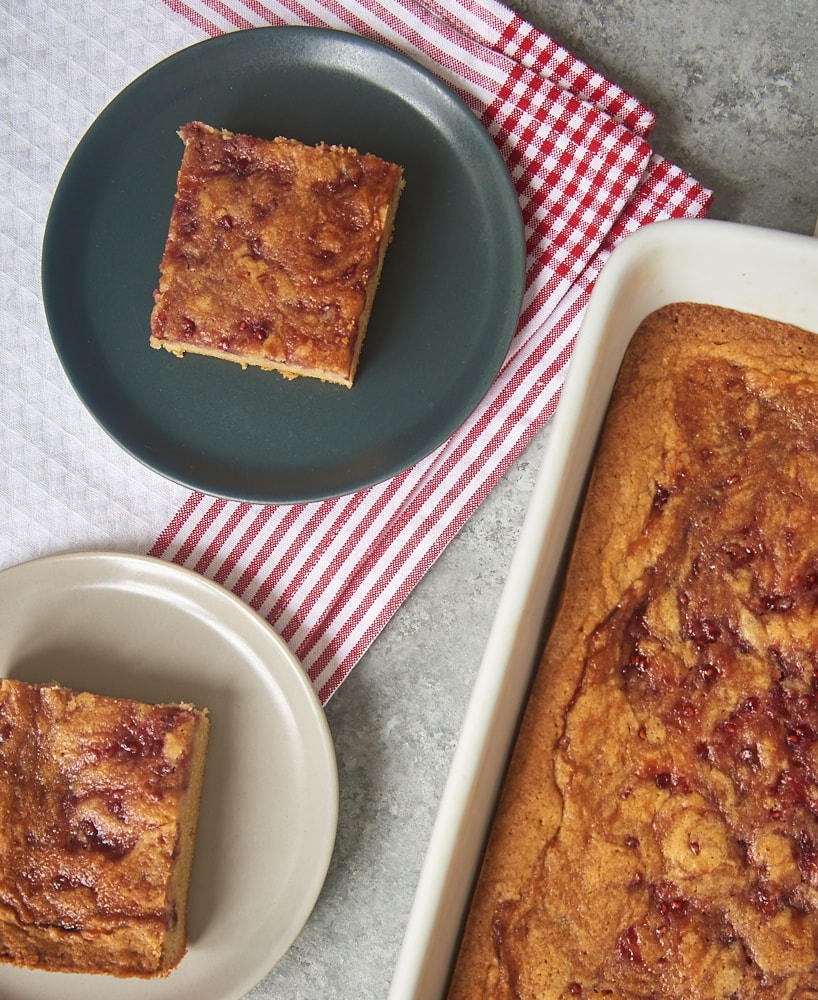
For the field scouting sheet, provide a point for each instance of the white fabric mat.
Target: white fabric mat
(64, 484)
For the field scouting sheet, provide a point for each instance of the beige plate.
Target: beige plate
(136, 627)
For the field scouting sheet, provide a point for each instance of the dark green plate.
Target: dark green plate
(445, 312)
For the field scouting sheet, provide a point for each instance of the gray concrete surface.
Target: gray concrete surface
(734, 84)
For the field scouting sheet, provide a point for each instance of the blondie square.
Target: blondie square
(99, 802)
(274, 252)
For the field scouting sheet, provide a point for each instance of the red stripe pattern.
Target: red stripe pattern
(329, 575)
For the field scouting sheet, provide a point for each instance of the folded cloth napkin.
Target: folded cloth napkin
(329, 575)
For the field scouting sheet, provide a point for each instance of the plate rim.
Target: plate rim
(166, 575)
(185, 469)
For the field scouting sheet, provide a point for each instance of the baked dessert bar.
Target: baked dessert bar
(99, 799)
(274, 252)
(657, 834)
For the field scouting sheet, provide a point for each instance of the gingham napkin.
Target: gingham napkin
(328, 576)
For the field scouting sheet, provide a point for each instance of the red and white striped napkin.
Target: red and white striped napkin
(329, 575)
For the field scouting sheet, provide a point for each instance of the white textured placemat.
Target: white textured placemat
(64, 484)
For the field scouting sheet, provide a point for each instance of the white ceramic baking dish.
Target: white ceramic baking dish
(760, 271)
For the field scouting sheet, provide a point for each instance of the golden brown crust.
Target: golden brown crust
(99, 800)
(657, 835)
(274, 252)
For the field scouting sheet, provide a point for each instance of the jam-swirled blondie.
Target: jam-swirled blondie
(99, 799)
(657, 837)
(274, 252)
